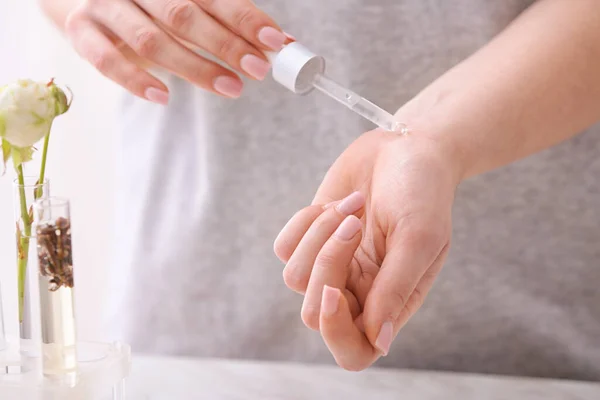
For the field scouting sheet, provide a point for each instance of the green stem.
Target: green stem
(39, 191)
(22, 265)
(23, 253)
(23, 241)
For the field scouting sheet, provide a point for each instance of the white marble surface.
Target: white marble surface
(182, 379)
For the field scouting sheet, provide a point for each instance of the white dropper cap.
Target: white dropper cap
(296, 67)
(300, 70)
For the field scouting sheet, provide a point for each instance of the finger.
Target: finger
(297, 271)
(92, 45)
(349, 347)
(189, 22)
(291, 234)
(331, 267)
(353, 303)
(396, 295)
(360, 325)
(245, 19)
(138, 31)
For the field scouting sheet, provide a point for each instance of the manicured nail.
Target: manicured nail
(348, 228)
(271, 38)
(289, 37)
(228, 86)
(255, 66)
(351, 204)
(330, 301)
(386, 335)
(157, 96)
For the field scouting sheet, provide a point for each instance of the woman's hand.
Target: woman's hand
(366, 263)
(109, 32)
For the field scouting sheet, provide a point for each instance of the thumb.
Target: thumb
(406, 275)
(347, 344)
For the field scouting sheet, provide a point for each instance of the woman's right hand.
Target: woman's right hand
(121, 37)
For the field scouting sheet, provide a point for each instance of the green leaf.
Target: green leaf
(2, 125)
(20, 253)
(62, 102)
(21, 155)
(5, 154)
(5, 150)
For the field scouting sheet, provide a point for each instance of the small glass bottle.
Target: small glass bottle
(56, 287)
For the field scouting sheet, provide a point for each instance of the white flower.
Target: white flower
(27, 109)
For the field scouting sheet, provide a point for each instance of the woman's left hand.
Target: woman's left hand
(367, 251)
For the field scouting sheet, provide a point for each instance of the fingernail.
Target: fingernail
(348, 228)
(386, 335)
(330, 301)
(228, 86)
(255, 66)
(351, 204)
(157, 96)
(271, 38)
(290, 37)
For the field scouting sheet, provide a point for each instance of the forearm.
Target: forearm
(536, 84)
(58, 10)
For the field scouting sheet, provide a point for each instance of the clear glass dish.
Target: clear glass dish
(102, 370)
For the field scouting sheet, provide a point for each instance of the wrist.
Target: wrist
(424, 126)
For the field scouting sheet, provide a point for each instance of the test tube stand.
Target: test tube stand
(103, 368)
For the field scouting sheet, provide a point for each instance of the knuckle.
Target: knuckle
(102, 60)
(92, 6)
(179, 14)
(325, 259)
(417, 298)
(323, 223)
(243, 16)
(226, 48)
(146, 43)
(205, 4)
(397, 297)
(202, 72)
(73, 21)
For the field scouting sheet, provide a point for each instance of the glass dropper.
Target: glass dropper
(301, 71)
(358, 104)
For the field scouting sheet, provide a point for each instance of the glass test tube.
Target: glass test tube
(56, 286)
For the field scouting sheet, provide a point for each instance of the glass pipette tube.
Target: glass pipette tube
(358, 104)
